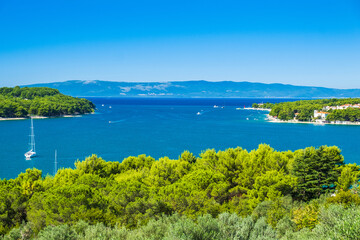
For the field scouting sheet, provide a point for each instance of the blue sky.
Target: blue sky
(314, 43)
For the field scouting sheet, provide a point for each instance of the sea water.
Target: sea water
(122, 127)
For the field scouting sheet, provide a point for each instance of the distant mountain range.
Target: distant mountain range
(97, 88)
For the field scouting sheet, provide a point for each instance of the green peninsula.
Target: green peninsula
(346, 110)
(40, 101)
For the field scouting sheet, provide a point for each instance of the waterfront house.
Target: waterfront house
(295, 118)
(321, 115)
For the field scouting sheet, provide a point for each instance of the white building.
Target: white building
(342, 107)
(327, 108)
(321, 115)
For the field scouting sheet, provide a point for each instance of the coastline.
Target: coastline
(42, 117)
(275, 120)
(251, 108)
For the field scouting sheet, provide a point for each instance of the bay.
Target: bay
(158, 127)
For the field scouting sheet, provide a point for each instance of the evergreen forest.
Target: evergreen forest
(232, 194)
(40, 101)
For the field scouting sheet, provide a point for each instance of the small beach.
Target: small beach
(41, 117)
(275, 120)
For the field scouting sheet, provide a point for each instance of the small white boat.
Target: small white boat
(110, 107)
(215, 106)
(31, 153)
(198, 113)
(247, 118)
(102, 105)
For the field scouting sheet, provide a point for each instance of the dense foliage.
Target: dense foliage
(304, 109)
(349, 114)
(231, 194)
(40, 101)
(263, 105)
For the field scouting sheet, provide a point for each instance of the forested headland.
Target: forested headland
(40, 101)
(233, 194)
(303, 110)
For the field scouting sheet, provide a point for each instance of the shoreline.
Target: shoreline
(274, 120)
(251, 108)
(42, 117)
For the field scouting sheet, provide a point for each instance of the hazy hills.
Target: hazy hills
(194, 89)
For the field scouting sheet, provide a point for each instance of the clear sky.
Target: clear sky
(300, 42)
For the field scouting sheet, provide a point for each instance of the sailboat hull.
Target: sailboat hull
(30, 154)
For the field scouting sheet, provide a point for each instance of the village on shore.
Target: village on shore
(319, 117)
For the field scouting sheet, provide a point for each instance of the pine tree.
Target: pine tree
(316, 170)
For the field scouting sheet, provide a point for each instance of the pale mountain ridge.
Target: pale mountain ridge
(200, 88)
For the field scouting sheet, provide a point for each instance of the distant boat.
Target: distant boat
(31, 153)
(102, 105)
(198, 113)
(109, 106)
(215, 106)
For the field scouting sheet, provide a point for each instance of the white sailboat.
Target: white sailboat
(31, 153)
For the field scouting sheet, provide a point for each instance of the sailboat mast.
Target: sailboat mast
(32, 136)
(55, 169)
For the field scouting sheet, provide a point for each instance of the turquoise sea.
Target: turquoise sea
(159, 127)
